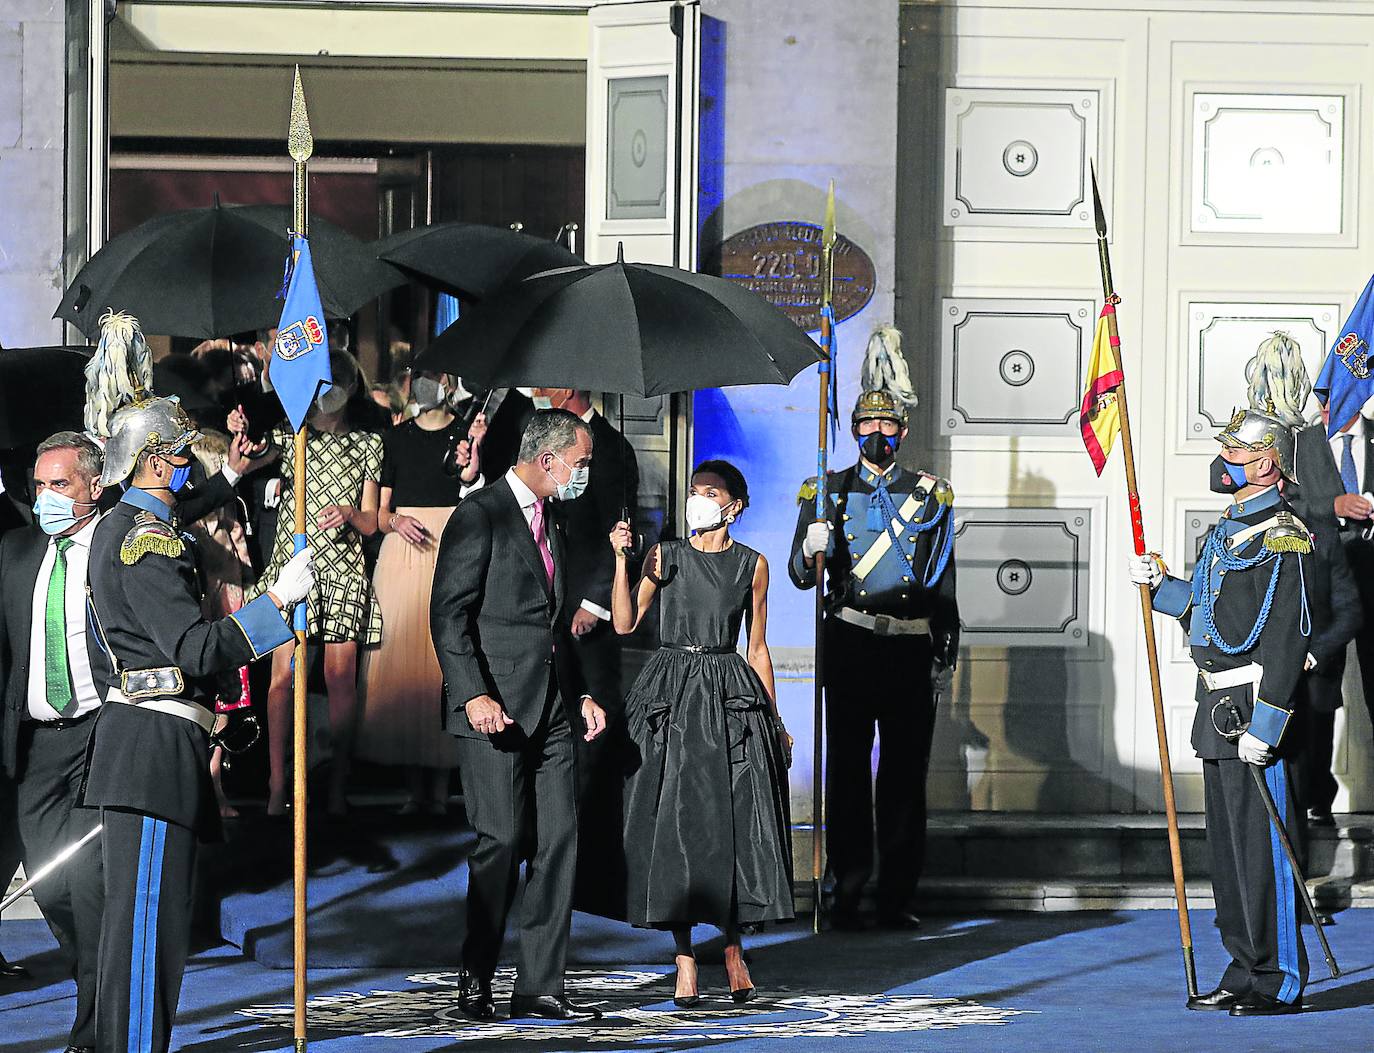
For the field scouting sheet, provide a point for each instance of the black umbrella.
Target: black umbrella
(472, 259)
(629, 328)
(209, 272)
(42, 391)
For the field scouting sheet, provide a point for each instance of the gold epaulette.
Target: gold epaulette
(1288, 534)
(150, 534)
(941, 489)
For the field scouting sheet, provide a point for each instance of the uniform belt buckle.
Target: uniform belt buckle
(882, 624)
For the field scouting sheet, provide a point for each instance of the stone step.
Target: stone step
(963, 896)
(1113, 848)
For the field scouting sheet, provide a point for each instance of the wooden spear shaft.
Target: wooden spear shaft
(301, 147)
(1166, 772)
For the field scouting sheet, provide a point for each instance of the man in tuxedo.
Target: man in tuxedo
(513, 695)
(1333, 497)
(53, 688)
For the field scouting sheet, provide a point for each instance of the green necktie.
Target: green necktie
(59, 679)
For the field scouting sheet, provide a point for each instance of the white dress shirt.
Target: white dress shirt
(526, 497)
(84, 692)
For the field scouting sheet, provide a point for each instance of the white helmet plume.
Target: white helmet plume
(885, 367)
(121, 371)
(1278, 380)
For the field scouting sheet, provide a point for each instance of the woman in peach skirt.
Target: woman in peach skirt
(430, 465)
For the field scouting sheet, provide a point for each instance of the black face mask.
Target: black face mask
(1221, 478)
(878, 448)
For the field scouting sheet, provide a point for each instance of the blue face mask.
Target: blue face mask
(179, 477)
(57, 512)
(576, 485)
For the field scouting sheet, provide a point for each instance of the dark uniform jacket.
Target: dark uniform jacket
(498, 628)
(611, 485)
(1239, 596)
(890, 587)
(146, 593)
(21, 554)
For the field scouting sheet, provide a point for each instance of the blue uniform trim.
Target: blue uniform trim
(1173, 597)
(262, 625)
(1284, 892)
(141, 499)
(1268, 722)
(143, 954)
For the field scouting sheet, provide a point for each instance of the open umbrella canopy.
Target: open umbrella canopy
(42, 390)
(472, 259)
(628, 328)
(210, 272)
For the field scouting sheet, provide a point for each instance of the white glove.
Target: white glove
(294, 582)
(817, 539)
(1253, 750)
(1310, 663)
(1144, 570)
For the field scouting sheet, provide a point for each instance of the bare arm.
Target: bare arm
(760, 660)
(627, 613)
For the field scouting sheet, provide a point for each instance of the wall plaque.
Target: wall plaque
(782, 263)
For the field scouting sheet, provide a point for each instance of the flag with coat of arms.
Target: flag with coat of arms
(300, 356)
(1346, 381)
(1099, 416)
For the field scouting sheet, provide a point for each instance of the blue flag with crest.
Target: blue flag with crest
(1346, 381)
(300, 356)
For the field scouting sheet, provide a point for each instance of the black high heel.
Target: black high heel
(687, 1001)
(741, 995)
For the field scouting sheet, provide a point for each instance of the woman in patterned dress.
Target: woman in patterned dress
(342, 485)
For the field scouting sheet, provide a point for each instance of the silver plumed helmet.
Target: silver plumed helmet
(150, 425)
(1263, 432)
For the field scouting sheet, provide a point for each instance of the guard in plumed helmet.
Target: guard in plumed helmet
(1245, 610)
(148, 770)
(891, 641)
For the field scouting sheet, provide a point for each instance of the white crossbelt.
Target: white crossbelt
(171, 706)
(882, 625)
(1244, 674)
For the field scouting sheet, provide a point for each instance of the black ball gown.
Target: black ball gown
(707, 832)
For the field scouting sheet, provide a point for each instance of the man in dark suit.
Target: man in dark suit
(513, 694)
(52, 688)
(1333, 497)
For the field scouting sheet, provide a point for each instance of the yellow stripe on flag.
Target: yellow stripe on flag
(1100, 416)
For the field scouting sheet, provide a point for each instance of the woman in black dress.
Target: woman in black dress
(706, 814)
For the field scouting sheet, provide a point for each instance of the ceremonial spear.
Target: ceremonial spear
(1146, 603)
(301, 145)
(827, 382)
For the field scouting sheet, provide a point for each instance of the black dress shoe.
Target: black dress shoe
(474, 997)
(1218, 1001)
(80, 1049)
(1256, 1004)
(900, 920)
(11, 971)
(1320, 817)
(550, 1007)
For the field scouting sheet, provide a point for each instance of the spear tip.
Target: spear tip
(1099, 216)
(300, 142)
(829, 235)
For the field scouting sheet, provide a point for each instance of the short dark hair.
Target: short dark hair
(735, 485)
(550, 431)
(90, 458)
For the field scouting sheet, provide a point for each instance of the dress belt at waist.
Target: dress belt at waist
(699, 648)
(1224, 678)
(58, 723)
(174, 707)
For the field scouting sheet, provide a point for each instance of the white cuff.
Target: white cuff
(597, 609)
(471, 488)
(230, 476)
(271, 493)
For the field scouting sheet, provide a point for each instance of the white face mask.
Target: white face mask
(428, 393)
(702, 513)
(527, 392)
(542, 402)
(333, 400)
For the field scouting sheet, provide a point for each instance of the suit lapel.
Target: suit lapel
(524, 538)
(558, 546)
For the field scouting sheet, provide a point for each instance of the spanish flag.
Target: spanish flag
(1099, 416)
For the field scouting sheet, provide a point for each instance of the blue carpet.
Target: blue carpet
(1028, 983)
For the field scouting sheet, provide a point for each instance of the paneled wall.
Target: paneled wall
(1233, 154)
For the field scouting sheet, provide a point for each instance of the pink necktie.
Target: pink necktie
(537, 529)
